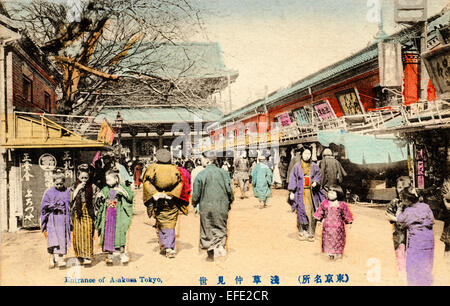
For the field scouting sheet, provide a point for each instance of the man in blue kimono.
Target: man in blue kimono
(212, 197)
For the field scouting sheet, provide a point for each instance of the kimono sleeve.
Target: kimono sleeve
(293, 179)
(320, 213)
(228, 186)
(46, 203)
(197, 190)
(347, 215)
(406, 218)
(149, 189)
(254, 175)
(269, 177)
(316, 174)
(127, 200)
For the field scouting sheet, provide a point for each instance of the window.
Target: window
(27, 89)
(47, 102)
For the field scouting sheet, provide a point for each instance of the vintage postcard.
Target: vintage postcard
(225, 143)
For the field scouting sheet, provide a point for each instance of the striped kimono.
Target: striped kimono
(83, 210)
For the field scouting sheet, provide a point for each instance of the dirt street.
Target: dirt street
(262, 242)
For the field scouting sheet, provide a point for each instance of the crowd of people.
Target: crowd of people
(102, 199)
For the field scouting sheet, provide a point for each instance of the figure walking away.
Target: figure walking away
(114, 217)
(55, 219)
(82, 213)
(212, 197)
(334, 215)
(163, 188)
(262, 181)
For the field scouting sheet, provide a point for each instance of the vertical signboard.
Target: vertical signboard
(390, 63)
(437, 63)
(36, 170)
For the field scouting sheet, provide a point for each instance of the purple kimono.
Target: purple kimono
(55, 219)
(418, 220)
(296, 186)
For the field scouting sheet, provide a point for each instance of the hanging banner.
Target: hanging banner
(324, 110)
(350, 102)
(390, 63)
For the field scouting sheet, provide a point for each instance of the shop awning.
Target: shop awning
(146, 115)
(31, 132)
(366, 149)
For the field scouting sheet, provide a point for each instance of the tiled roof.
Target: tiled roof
(361, 57)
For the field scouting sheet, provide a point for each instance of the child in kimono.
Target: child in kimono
(334, 215)
(55, 219)
(114, 217)
(82, 211)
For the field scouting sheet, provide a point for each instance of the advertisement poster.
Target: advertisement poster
(205, 189)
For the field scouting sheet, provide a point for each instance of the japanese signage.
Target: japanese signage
(284, 119)
(349, 102)
(324, 110)
(438, 66)
(420, 171)
(36, 171)
(302, 116)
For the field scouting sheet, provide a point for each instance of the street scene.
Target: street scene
(224, 143)
(279, 253)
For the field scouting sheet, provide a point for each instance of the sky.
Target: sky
(275, 43)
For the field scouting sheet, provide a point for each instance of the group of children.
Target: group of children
(74, 213)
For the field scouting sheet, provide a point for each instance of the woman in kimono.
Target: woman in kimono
(262, 181)
(417, 218)
(305, 194)
(334, 215)
(55, 219)
(114, 217)
(163, 186)
(82, 212)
